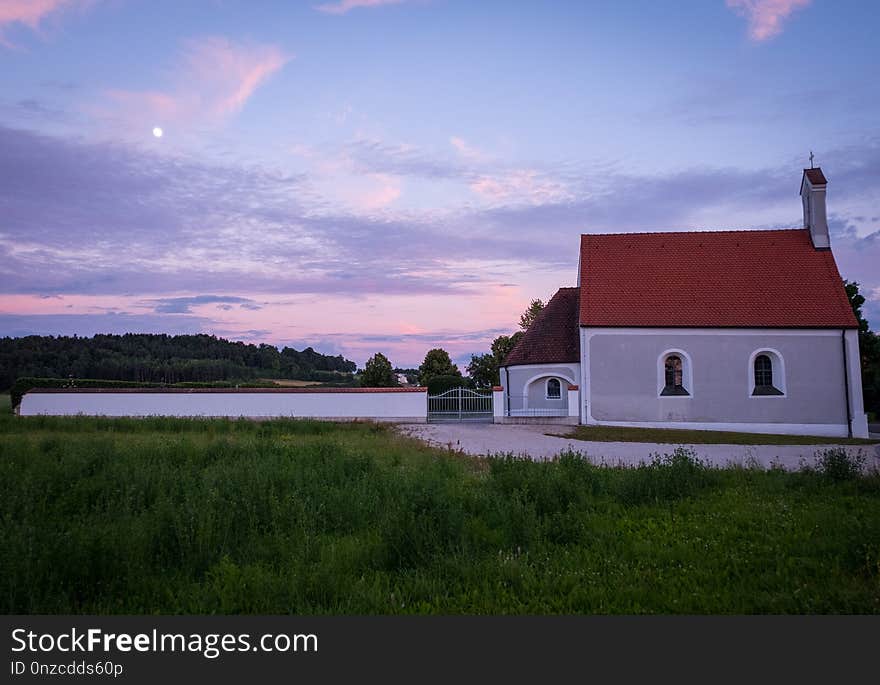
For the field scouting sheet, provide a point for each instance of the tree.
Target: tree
(412, 375)
(530, 314)
(437, 363)
(484, 368)
(378, 372)
(856, 300)
(159, 358)
(869, 351)
(504, 344)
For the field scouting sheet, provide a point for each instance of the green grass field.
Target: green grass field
(674, 436)
(178, 516)
(5, 404)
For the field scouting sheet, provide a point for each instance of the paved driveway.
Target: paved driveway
(480, 439)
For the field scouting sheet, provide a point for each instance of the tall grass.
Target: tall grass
(188, 516)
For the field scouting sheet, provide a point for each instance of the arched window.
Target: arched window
(554, 389)
(674, 374)
(764, 376)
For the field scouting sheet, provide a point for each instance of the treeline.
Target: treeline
(162, 359)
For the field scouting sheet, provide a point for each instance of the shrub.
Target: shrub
(837, 464)
(670, 477)
(439, 384)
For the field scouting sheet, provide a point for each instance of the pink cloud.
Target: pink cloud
(345, 6)
(153, 104)
(387, 193)
(468, 151)
(363, 193)
(520, 186)
(31, 13)
(765, 16)
(230, 73)
(214, 79)
(360, 326)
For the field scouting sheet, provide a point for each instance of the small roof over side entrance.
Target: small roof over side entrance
(553, 336)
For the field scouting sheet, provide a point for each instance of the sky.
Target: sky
(390, 176)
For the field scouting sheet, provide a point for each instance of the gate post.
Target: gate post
(459, 403)
(573, 405)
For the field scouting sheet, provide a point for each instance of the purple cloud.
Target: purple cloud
(17, 325)
(111, 219)
(183, 305)
(345, 6)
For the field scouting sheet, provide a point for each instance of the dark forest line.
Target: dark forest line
(160, 358)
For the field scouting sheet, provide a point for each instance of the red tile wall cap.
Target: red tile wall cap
(292, 391)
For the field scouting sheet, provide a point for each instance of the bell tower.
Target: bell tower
(813, 186)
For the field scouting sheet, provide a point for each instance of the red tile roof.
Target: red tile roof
(816, 176)
(754, 279)
(553, 336)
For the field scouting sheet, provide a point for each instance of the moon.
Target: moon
(157, 132)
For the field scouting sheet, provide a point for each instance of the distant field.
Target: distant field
(197, 516)
(671, 436)
(287, 383)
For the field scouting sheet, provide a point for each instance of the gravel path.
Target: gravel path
(480, 439)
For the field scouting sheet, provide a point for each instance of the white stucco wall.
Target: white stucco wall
(620, 381)
(524, 387)
(400, 405)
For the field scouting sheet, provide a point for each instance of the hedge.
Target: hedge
(440, 384)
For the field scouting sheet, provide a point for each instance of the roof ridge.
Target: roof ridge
(708, 231)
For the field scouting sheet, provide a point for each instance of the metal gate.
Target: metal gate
(460, 404)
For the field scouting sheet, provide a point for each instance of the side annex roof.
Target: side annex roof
(553, 336)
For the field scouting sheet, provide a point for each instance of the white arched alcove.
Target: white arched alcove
(687, 372)
(777, 364)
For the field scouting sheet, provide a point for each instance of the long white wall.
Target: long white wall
(406, 405)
